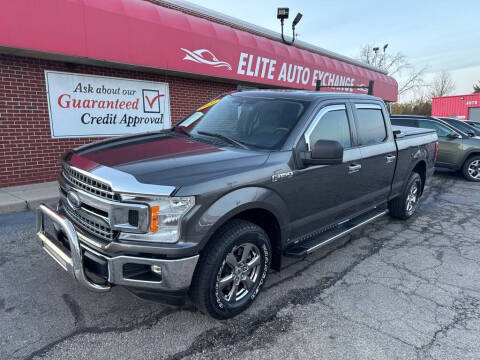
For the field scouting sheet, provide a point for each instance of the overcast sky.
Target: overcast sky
(437, 34)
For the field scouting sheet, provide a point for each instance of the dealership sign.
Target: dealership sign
(88, 106)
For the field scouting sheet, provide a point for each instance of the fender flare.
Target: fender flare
(467, 155)
(233, 203)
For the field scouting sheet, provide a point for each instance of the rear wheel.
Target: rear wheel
(405, 205)
(232, 269)
(471, 168)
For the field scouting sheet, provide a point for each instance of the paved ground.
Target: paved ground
(395, 290)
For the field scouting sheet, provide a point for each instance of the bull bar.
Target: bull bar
(176, 273)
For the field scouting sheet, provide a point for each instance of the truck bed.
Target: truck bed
(411, 131)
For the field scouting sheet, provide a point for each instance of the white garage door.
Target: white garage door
(474, 113)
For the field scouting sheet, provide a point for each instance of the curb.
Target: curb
(27, 197)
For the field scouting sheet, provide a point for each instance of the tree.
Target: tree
(442, 85)
(409, 77)
(422, 106)
(476, 88)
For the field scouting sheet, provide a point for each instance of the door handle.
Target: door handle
(390, 158)
(353, 168)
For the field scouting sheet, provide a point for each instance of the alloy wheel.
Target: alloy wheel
(239, 273)
(412, 198)
(474, 169)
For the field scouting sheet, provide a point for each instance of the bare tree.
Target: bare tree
(443, 84)
(476, 88)
(397, 65)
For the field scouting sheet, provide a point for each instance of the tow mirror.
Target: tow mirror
(324, 152)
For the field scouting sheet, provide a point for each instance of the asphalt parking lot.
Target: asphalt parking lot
(391, 290)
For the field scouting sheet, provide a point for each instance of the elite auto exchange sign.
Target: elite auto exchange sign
(87, 105)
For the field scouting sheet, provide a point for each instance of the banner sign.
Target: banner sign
(129, 34)
(89, 106)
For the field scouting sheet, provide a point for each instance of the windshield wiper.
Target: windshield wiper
(182, 129)
(223, 137)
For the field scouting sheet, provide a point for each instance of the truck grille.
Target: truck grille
(93, 227)
(88, 184)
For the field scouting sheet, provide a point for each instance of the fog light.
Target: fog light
(156, 269)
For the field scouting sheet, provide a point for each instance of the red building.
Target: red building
(72, 71)
(462, 107)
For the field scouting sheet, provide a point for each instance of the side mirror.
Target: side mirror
(324, 152)
(454, 136)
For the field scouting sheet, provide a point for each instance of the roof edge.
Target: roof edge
(239, 24)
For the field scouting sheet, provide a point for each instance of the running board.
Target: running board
(303, 248)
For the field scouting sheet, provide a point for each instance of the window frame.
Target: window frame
(372, 106)
(320, 114)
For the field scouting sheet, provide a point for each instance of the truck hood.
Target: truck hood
(166, 158)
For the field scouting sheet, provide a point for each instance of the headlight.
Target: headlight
(166, 214)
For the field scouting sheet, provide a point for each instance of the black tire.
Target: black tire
(402, 207)
(471, 168)
(233, 238)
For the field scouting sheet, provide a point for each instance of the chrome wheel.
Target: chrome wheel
(412, 198)
(239, 272)
(474, 169)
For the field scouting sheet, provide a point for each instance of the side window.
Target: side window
(371, 124)
(441, 130)
(331, 123)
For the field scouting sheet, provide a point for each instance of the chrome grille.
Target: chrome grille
(87, 183)
(99, 230)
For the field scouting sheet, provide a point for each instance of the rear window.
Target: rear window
(370, 125)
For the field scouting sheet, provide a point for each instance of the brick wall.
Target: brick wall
(28, 154)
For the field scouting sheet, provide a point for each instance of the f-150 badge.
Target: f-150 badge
(282, 176)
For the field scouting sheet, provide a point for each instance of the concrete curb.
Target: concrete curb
(27, 197)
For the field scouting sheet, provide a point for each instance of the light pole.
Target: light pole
(375, 50)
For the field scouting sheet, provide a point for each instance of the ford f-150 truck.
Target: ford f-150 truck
(206, 208)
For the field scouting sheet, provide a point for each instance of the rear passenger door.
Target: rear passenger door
(378, 150)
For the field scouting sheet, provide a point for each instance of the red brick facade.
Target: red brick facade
(28, 154)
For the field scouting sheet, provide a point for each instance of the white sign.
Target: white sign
(90, 106)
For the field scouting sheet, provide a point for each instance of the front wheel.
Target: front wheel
(405, 205)
(232, 269)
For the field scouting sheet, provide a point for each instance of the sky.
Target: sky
(438, 35)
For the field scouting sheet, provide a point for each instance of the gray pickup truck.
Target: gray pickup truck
(206, 208)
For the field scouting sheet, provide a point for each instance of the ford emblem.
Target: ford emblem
(73, 200)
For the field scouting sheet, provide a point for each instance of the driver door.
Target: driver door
(327, 194)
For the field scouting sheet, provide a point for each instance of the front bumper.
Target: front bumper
(171, 276)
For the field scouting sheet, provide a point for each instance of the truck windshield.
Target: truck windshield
(253, 121)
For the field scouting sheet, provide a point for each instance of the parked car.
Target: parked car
(475, 124)
(456, 150)
(462, 126)
(207, 207)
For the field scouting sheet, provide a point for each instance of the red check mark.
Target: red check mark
(151, 102)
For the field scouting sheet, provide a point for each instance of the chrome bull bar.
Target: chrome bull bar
(72, 263)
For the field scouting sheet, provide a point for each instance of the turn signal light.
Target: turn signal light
(154, 218)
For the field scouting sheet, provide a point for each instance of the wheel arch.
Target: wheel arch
(421, 169)
(468, 156)
(260, 206)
